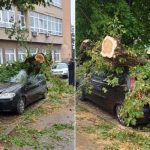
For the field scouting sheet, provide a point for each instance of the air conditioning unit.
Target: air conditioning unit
(47, 34)
(34, 33)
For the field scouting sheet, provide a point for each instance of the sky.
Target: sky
(73, 12)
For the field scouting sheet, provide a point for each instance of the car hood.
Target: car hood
(9, 87)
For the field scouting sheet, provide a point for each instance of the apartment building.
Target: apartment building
(50, 25)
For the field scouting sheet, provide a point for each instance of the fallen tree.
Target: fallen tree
(35, 64)
(112, 49)
(110, 56)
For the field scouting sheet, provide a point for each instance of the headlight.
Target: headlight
(7, 95)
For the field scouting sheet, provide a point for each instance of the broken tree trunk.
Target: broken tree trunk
(117, 55)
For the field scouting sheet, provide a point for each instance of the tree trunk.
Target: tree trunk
(117, 55)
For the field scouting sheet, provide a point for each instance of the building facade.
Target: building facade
(49, 30)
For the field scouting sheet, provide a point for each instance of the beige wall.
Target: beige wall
(63, 41)
(13, 45)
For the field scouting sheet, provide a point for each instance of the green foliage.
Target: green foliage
(9, 70)
(136, 99)
(23, 4)
(97, 18)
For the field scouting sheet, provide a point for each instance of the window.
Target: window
(22, 54)
(34, 19)
(56, 55)
(55, 26)
(7, 18)
(10, 55)
(33, 51)
(44, 51)
(57, 3)
(21, 18)
(44, 24)
(1, 56)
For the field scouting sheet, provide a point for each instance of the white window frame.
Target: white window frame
(33, 27)
(53, 25)
(56, 53)
(20, 16)
(23, 55)
(9, 55)
(7, 23)
(57, 3)
(1, 56)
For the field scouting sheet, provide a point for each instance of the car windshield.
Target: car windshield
(21, 77)
(59, 66)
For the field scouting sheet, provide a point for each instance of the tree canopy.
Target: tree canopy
(128, 19)
(23, 4)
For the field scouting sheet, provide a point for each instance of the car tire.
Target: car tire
(20, 106)
(118, 116)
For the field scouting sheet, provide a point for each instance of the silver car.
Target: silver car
(60, 69)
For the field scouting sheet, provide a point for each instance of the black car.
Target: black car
(16, 94)
(112, 100)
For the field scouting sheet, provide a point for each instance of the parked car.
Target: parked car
(113, 99)
(15, 95)
(60, 69)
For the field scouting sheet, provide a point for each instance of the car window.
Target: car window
(34, 79)
(21, 77)
(99, 76)
(60, 66)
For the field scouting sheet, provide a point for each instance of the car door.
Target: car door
(98, 94)
(33, 89)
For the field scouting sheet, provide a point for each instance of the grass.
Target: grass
(143, 142)
(110, 132)
(80, 108)
(33, 114)
(2, 128)
(112, 148)
(24, 136)
(59, 86)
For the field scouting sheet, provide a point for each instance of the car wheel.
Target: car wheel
(118, 114)
(21, 106)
